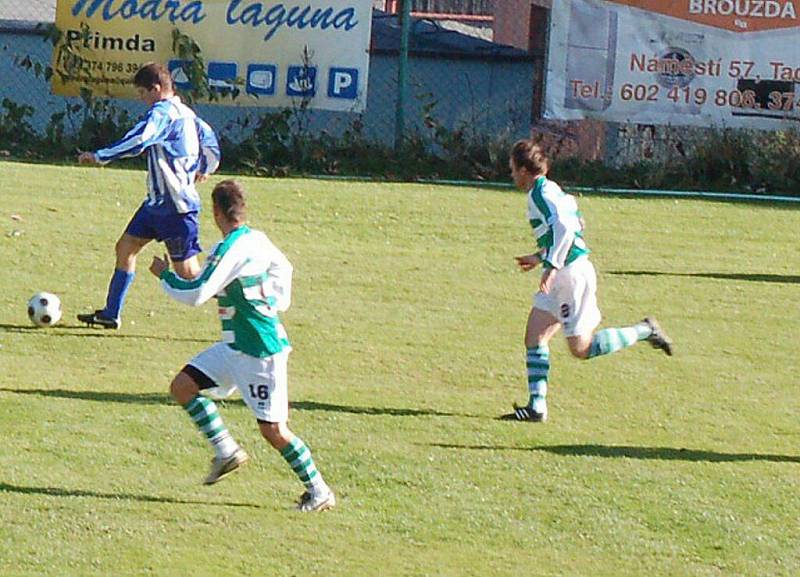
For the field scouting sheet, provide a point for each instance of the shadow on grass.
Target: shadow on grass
(101, 397)
(165, 399)
(755, 277)
(392, 412)
(630, 452)
(93, 333)
(60, 492)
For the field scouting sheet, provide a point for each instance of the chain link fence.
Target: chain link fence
(461, 88)
(31, 11)
(470, 82)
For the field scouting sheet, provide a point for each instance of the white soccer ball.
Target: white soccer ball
(44, 309)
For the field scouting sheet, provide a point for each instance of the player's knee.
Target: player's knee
(119, 248)
(579, 350)
(183, 388)
(535, 341)
(277, 434)
(582, 354)
(126, 252)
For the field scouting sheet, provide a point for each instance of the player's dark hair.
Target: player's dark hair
(228, 197)
(528, 154)
(151, 74)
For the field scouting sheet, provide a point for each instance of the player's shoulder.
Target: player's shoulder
(246, 236)
(551, 187)
(157, 113)
(260, 237)
(172, 107)
(543, 188)
(265, 245)
(160, 107)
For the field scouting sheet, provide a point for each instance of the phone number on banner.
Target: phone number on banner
(776, 100)
(109, 66)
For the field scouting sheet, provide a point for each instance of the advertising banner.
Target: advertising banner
(271, 53)
(729, 63)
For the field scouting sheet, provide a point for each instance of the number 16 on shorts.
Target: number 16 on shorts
(260, 392)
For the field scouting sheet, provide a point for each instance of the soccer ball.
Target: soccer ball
(44, 309)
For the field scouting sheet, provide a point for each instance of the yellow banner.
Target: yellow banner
(267, 53)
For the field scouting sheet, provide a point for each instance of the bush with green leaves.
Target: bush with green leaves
(17, 135)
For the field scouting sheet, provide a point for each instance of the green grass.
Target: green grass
(407, 322)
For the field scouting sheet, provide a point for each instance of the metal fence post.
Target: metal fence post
(402, 75)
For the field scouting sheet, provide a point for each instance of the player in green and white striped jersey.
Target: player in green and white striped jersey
(567, 296)
(252, 281)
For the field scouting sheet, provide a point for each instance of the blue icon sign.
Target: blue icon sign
(261, 79)
(179, 77)
(343, 83)
(221, 75)
(301, 81)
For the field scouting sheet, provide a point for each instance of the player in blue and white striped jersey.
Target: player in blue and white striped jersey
(181, 150)
(567, 296)
(252, 282)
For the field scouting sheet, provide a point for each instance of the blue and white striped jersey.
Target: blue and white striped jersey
(179, 145)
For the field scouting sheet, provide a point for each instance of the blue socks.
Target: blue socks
(117, 291)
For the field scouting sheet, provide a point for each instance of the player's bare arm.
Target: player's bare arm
(546, 283)
(529, 261)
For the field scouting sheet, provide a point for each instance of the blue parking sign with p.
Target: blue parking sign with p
(343, 83)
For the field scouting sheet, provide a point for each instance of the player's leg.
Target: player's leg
(137, 234)
(317, 496)
(208, 370)
(612, 340)
(180, 235)
(188, 268)
(540, 329)
(127, 249)
(561, 307)
(264, 387)
(607, 341)
(584, 316)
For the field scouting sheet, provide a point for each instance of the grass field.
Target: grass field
(407, 322)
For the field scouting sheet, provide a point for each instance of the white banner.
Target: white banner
(694, 62)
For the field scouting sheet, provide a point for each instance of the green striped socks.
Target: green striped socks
(611, 340)
(537, 361)
(204, 413)
(298, 455)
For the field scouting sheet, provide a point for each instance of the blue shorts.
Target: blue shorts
(177, 231)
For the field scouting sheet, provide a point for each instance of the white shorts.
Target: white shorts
(263, 383)
(573, 298)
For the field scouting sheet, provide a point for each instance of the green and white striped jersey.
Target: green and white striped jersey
(252, 281)
(556, 223)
